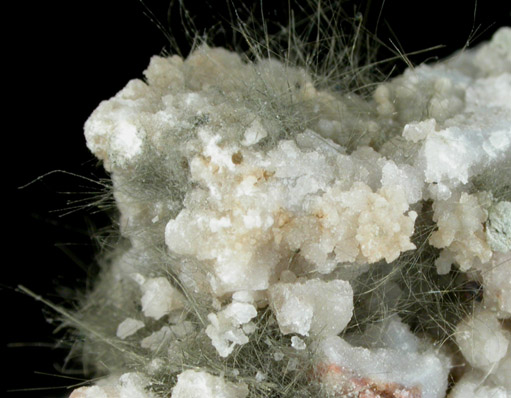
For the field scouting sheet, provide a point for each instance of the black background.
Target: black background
(61, 59)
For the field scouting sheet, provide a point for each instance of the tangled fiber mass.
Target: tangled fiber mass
(281, 235)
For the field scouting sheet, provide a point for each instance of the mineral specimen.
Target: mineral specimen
(255, 207)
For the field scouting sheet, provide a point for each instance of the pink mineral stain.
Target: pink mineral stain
(345, 383)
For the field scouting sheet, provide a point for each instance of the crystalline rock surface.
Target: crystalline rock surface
(258, 213)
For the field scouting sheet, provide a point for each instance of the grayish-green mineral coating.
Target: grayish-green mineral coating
(498, 227)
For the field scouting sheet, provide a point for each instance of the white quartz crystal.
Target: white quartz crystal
(198, 384)
(297, 343)
(391, 333)
(457, 114)
(159, 297)
(315, 307)
(246, 216)
(345, 369)
(91, 392)
(227, 328)
(460, 221)
(157, 339)
(113, 131)
(482, 340)
(128, 385)
(483, 384)
(128, 327)
(475, 385)
(497, 284)
(452, 155)
(408, 178)
(500, 375)
(418, 131)
(494, 58)
(134, 385)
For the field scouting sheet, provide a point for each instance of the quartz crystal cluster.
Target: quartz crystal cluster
(248, 197)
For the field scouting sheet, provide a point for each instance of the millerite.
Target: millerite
(281, 239)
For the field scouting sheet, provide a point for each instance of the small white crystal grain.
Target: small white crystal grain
(90, 392)
(278, 356)
(129, 327)
(159, 298)
(199, 384)
(255, 133)
(230, 327)
(482, 340)
(260, 376)
(157, 339)
(134, 385)
(297, 343)
(315, 306)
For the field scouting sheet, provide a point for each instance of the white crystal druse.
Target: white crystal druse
(262, 216)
